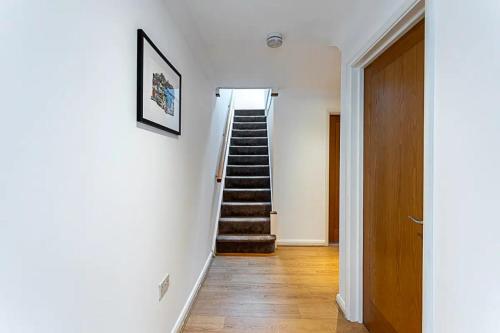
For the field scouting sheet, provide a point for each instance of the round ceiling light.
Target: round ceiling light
(274, 40)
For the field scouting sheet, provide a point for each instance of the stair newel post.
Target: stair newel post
(274, 225)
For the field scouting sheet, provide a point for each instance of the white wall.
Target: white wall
(222, 106)
(300, 167)
(94, 211)
(466, 164)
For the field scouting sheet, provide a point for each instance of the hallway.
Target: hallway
(291, 291)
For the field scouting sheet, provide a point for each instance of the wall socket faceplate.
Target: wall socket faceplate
(163, 286)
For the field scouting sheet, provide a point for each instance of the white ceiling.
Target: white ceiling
(231, 36)
(330, 22)
(251, 20)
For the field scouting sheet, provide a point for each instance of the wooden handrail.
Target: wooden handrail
(225, 142)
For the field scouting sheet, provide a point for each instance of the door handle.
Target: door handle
(415, 220)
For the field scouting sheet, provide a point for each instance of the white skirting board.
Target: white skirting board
(192, 296)
(341, 303)
(302, 242)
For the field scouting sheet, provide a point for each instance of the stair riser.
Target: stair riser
(249, 142)
(249, 125)
(246, 247)
(247, 183)
(249, 112)
(247, 196)
(245, 211)
(249, 133)
(249, 119)
(247, 171)
(248, 150)
(248, 160)
(244, 228)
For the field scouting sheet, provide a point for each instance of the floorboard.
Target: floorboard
(291, 291)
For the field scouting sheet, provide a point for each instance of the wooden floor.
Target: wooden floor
(291, 291)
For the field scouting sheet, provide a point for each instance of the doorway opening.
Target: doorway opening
(334, 179)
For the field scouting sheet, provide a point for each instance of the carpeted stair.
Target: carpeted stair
(244, 224)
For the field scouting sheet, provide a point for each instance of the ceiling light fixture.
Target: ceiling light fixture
(274, 40)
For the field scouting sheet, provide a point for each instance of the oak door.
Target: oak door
(393, 187)
(334, 166)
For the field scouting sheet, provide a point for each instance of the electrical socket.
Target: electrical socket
(163, 286)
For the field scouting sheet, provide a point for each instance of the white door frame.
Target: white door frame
(350, 298)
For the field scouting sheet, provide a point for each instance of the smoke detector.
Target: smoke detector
(274, 40)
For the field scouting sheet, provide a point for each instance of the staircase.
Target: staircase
(244, 224)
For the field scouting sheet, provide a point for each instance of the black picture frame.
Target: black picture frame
(141, 39)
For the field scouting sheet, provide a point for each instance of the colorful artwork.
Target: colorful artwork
(163, 93)
(159, 88)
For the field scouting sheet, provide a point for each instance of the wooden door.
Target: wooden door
(393, 187)
(333, 211)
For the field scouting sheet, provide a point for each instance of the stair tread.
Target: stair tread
(245, 203)
(247, 176)
(246, 238)
(247, 189)
(249, 155)
(250, 129)
(248, 146)
(244, 219)
(246, 122)
(248, 165)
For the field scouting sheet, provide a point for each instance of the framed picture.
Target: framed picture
(158, 87)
